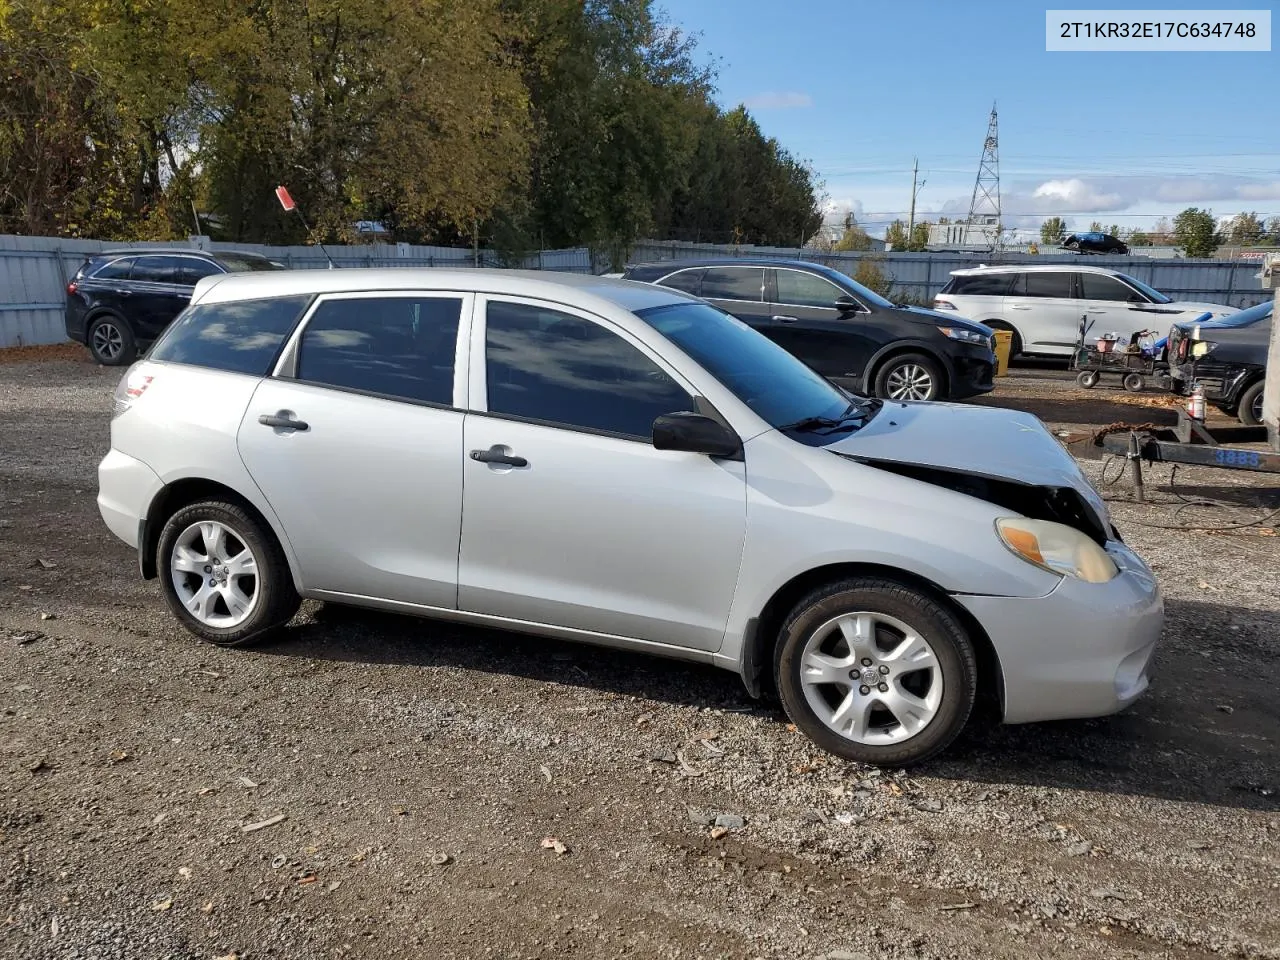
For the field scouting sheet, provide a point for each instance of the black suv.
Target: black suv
(1227, 357)
(1094, 242)
(849, 334)
(123, 299)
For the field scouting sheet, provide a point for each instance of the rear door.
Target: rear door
(739, 291)
(805, 322)
(1045, 307)
(159, 293)
(108, 286)
(360, 453)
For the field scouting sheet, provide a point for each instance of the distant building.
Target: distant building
(964, 236)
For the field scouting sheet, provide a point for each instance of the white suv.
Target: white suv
(1042, 305)
(621, 464)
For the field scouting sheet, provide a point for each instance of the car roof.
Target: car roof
(673, 265)
(1033, 268)
(178, 252)
(628, 294)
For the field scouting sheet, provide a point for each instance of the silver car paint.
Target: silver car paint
(611, 540)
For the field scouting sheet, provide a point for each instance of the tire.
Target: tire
(1015, 345)
(1250, 409)
(110, 339)
(1135, 382)
(221, 615)
(1087, 379)
(913, 376)
(885, 614)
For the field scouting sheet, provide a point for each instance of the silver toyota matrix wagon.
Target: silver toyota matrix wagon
(627, 465)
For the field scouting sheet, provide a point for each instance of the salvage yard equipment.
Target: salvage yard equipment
(1137, 364)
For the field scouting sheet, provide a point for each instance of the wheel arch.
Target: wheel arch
(179, 493)
(764, 631)
(897, 349)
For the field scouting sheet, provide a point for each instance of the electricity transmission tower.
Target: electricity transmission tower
(984, 206)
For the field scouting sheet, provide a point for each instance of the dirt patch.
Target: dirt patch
(67, 352)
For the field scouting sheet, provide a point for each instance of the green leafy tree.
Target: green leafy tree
(895, 235)
(1053, 230)
(1114, 230)
(1096, 227)
(1246, 229)
(1195, 230)
(1273, 231)
(1139, 239)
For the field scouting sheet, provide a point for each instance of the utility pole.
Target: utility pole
(1271, 388)
(915, 192)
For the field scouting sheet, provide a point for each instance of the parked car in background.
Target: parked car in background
(1041, 305)
(849, 334)
(1095, 242)
(1227, 358)
(626, 465)
(119, 301)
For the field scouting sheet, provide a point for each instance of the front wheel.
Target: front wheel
(876, 672)
(1251, 405)
(1087, 379)
(912, 376)
(223, 574)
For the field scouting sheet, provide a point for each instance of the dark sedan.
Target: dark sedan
(849, 334)
(1227, 357)
(1095, 242)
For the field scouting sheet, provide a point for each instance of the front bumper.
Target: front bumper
(126, 489)
(1084, 650)
(972, 372)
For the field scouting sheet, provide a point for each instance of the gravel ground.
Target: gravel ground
(404, 774)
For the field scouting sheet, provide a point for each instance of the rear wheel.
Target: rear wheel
(111, 341)
(223, 573)
(1135, 382)
(912, 376)
(875, 671)
(1251, 405)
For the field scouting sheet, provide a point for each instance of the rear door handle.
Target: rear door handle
(496, 455)
(281, 421)
(785, 319)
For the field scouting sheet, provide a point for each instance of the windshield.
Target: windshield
(1155, 295)
(242, 264)
(773, 383)
(1247, 318)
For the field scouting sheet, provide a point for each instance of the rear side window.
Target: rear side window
(690, 281)
(243, 336)
(734, 283)
(981, 285)
(115, 270)
(159, 269)
(1050, 283)
(397, 347)
(541, 364)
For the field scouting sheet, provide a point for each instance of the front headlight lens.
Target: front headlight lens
(1202, 348)
(965, 335)
(1057, 548)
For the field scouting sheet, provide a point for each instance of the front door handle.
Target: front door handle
(785, 319)
(124, 293)
(283, 421)
(495, 455)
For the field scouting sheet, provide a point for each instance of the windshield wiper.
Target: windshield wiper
(862, 410)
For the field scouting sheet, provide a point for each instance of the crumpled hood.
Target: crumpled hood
(985, 441)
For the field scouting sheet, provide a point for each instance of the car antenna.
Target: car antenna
(286, 201)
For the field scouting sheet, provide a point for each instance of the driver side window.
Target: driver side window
(797, 289)
(555, 368)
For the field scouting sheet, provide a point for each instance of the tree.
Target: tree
(895, 235)
(854, 238)
(1162, 233)
(920, 237)
(1195, 231)
(1114, 230)
(1273, 231)
(1245, 229)
(1053, 230)
(1139, 239)
(1096, 227)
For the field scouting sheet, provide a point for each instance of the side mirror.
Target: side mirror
(846, 304)
(694, 433)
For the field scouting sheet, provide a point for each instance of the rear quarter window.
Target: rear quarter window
(243, 336)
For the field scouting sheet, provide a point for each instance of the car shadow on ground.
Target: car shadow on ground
(1177, 743)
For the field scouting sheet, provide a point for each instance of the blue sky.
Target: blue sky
(859, 87)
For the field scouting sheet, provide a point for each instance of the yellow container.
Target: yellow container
(1004, 340)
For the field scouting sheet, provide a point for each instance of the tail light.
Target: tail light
(132, 386)
(71, 287)
(940, 304)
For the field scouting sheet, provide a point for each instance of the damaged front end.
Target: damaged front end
(1059, 504)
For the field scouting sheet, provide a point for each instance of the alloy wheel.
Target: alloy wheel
(215, 574)
(108, 341)
(871, 678)
(1256, 408)
(910, 381)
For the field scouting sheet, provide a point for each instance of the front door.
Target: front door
(570, 516)
(1046, 309)
(807, 324)
(361, 452)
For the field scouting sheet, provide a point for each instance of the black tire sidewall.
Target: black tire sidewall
(1245, 408)
(934, 622)
(921, 359)
(128, 343)
(277, 600)
(1087, 379)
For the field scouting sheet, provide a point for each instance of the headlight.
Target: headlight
(1202, 348)
(1057, 548)
(965, 335)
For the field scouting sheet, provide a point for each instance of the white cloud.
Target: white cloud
(778, 101)
(1070, 196)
